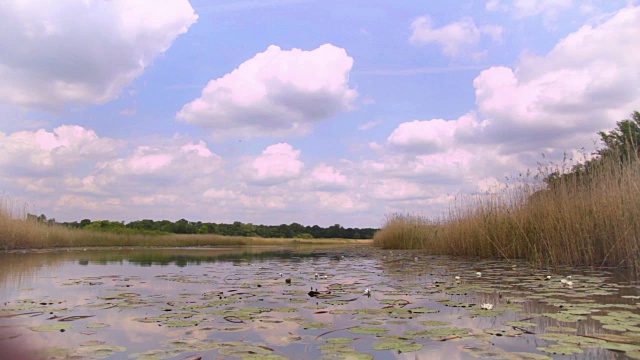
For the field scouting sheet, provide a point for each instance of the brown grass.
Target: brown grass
(17, 233)
(592, 221)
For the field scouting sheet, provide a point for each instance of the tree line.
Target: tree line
(621, 145)
(183, 226)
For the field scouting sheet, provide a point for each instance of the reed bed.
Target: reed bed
(589, 220)
(18, 233)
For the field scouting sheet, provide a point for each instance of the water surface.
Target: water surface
(308, 303)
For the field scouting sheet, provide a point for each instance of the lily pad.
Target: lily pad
(368, 330)
(53, 327)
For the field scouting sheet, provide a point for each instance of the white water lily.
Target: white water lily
(457, 277)
(563, 281)
(367, 291)
(548, 277)
(478, 274)
(570, 283)
(316, 275)
(486, 306)
(568, 276)
(280, 274)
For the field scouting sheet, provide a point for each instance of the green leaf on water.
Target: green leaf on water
(560, 349)
(54, 327)
(368, 330)
(434, 323)
(520, 324)
(181, 323)
(97, 325)
(402, 346)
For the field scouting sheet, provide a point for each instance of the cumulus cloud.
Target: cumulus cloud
(278, 163)
(456, 39)
(42, 152)
(398, 189)
(341, 202)
(429, 136)
(584, 84)
(153, 164)
(327, 177)
(276, 92)
(527, 8)
(63, 51)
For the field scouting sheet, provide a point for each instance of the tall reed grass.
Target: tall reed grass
(18, 233)
(589, 220)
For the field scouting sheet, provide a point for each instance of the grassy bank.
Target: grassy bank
(17, 233)
(576, 220)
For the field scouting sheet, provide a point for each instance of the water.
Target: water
(308, 303)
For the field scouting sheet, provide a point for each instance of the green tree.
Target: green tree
(623, 141)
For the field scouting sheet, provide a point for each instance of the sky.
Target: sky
(315, 112)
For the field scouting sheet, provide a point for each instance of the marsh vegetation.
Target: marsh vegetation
(17, 233)
(586, 215)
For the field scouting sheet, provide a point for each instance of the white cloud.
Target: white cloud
(398, 189)
(80, 202)
(369, 125)
(456, 39)
(340, 202)
(221, 194)
(278, 163)
(429, 136)
(327, 177)
(39, 152)
(527, 8)
(154, 199)
(176, 161)
(62, 51)
(586, 83)
(547, 8)
(277, 92)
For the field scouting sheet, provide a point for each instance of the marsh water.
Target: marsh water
(308, 303)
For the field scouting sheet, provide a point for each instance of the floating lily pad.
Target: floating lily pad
(434, 323)
(398, 345)
(368, 330)
(97, 325)
(53, 327)
(561, 349)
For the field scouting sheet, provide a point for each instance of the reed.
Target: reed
(589, 220)
(18, 232)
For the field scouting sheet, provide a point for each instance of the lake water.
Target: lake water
(308, 303)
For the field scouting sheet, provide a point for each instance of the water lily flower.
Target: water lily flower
(486, 306)
(548, 277)
(478, 274)
(457, 278)
(280, 274)
(367, 292)
(563, 281)
(568, 276)
(570, 283)
(316, 275)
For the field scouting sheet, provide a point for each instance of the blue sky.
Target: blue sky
(316, 112)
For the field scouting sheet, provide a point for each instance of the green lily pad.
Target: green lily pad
(434, 323)
(367, 330)
(561, 349)
(54, 327)
(402, 346)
